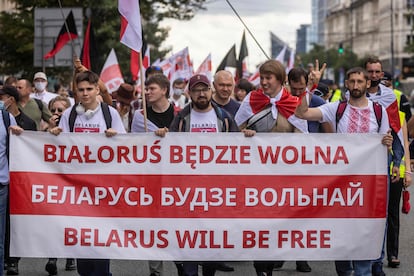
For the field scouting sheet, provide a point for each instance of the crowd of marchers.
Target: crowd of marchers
(298, 101)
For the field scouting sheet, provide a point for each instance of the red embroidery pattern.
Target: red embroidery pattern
(359, 120)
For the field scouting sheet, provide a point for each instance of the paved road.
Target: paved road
(35, 267)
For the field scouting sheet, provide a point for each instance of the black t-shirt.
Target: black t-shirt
(163, 119)
(25, 122)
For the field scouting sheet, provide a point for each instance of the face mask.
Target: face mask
(375, 83)
(178, 91)
(40, 86)
(2, 107)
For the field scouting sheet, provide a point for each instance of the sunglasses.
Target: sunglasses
(53, 110)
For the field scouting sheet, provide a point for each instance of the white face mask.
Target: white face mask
(178, 91)
(40, 86)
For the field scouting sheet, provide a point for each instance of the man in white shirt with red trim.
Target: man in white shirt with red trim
(358, 117)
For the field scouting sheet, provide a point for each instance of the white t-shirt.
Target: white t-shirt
(44, 96)
(203, 121)
(354, 119)
(93, 125)
(180, 102)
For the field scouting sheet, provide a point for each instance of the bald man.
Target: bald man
(223, 90)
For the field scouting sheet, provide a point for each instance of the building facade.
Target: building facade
(303, 39)
(373, 27)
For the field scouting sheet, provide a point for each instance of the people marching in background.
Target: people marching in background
(178, 96)
(34, 108)
(302, 106)
(125, 95)
(40, 88)
(243, 87)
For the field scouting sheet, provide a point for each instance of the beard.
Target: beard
(202, 103)
(356, 94)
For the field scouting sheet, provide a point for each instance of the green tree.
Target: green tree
(17, 35)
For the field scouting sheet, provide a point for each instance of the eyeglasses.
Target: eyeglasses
(199, 90)
(53, 110)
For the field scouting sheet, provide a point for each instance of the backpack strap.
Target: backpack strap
(378, 113)
(72, 118)
(6, 120)
(224, 119)
(107, 115)
(340, 111)
(39, 104)
(105, 110)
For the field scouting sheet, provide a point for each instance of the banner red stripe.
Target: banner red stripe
(269, 195)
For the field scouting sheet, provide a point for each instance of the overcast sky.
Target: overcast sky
(218, 28)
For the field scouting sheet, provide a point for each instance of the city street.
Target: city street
(35, 267)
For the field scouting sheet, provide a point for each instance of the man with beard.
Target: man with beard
(359, 116)
(201, 115)
(386, 97)
(205, 115)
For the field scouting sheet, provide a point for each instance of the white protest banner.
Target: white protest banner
(198, 196)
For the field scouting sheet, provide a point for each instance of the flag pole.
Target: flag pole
(247, 28)
(144, 102)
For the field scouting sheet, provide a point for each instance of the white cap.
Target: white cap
(40, 75)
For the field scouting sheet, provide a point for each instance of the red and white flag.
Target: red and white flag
(131, 29)
(388, 100)
(180, 65)
(138, 123)
(291, 61)
(205, 67)
(284, 103)
(111, 73)
(255, 78)
(165, 65)
(135, 63)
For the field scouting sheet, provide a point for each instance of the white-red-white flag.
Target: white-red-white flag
(165, 66)
(205, 67)
(255, 78)
(131, 29)
(291, 62)
(111, 72)
(135, 71)
(181, 65)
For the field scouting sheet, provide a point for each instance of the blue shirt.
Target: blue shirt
(4, 162)
(313, 126)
